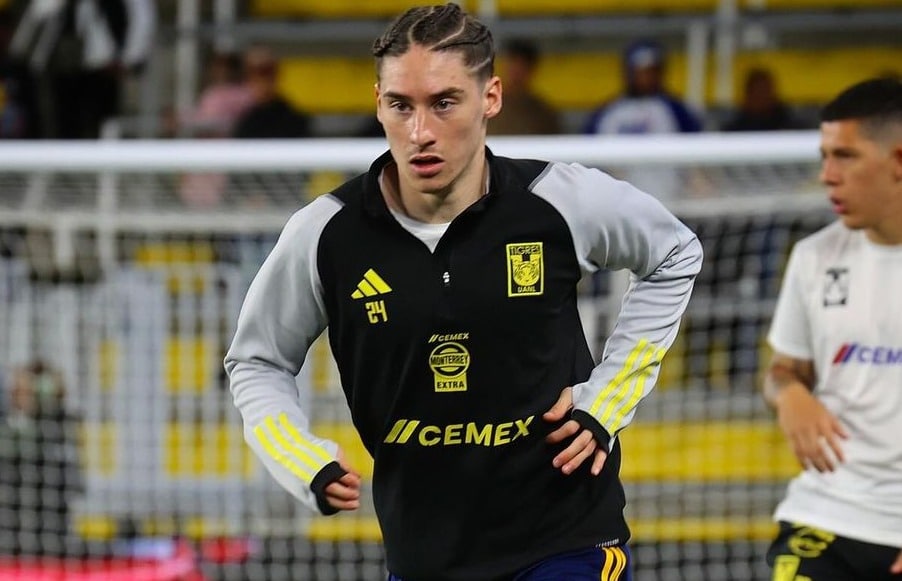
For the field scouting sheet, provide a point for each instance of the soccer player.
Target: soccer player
(835, 381)
(447, 278)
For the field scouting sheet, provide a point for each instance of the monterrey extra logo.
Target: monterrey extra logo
(449, 362)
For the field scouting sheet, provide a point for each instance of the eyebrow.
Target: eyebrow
(451, 92)
(839, 150)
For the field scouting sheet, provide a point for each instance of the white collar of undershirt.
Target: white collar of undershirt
(428, 233)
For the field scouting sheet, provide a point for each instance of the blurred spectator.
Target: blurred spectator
(645, 105)
(15, 114)
(221, 104)
(523, 112)
(762, 109)
(223, 101)
(271, 116)
(79, 52)
(39, 469)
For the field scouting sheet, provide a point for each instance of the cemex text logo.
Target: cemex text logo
(874, 355)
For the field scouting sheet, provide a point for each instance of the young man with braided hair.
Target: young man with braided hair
(836, 376)
(447, 278)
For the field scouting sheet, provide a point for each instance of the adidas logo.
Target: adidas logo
(371, 285)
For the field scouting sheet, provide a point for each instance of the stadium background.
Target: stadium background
(133, 297)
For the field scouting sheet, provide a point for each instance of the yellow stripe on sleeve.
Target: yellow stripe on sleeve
(651, 360)
(624, 372)
(288, 447)
(293, 432)
(628, 388)
(270, 449)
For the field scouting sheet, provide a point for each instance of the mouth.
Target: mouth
(839, 207)
(426, 165)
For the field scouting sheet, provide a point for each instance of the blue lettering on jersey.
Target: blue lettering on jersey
(873, 355)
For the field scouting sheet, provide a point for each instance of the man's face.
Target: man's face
(434, 112)
(647, 80)
(863, 178)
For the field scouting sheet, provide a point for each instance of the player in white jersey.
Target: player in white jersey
(835, 381)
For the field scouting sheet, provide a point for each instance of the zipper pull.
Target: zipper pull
(446, 278)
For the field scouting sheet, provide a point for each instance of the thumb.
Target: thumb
(897, 565)
(561, 406)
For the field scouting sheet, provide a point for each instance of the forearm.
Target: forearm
(783, 376)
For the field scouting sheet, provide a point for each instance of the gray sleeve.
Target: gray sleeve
(283, 313)
(616, 226)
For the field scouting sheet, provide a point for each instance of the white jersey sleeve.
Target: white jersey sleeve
(790, 332)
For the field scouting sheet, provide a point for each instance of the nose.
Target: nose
(421, 133)
(828, 175)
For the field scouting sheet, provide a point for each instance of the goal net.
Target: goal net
(122, 270)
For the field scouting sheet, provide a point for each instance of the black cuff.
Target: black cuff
(326, 476)
(602, 437)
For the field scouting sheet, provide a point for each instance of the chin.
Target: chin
(434, 185)
(851, 223)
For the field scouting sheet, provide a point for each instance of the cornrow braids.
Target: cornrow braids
(439, 28)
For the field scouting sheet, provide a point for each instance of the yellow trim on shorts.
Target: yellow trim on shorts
(615, 562)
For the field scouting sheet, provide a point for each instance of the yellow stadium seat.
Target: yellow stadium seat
(191, 364)
(389, 8)
(177, 253)
(582, 81)
(567, 7)
(813, 76)
(819, 4)
(337, 8)
(98, 442)
(206, 450)
(351, 527)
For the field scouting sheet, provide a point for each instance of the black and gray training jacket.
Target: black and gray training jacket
(448, 359)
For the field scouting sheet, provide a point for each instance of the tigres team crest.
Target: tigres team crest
(525, 269)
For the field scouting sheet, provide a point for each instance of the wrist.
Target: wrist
(787, 391)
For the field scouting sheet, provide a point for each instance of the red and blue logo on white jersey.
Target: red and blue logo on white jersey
(868, 354)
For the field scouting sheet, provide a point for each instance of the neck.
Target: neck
(436, 207)
(889, 231)
(885, 236)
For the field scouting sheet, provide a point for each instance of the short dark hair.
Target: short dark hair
(875, 103)
(439, 28)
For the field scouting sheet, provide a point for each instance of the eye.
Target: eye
(400, 106)
(444, 104)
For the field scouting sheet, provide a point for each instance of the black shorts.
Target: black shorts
(805, 553)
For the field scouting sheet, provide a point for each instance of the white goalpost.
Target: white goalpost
(123, 266)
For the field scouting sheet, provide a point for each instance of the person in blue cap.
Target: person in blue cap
(645, 106)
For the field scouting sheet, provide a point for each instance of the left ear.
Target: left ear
(378, 102)
(492, 97)
(896, 153)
